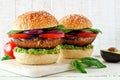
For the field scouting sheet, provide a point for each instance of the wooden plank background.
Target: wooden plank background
(105, 15)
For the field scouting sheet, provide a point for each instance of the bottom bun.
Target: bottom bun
(74, 54)
(35, 59)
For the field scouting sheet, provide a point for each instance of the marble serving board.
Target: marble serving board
(35, 70)
(61, 68)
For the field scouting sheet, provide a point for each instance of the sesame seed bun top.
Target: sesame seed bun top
(35, 20)
(75, 21)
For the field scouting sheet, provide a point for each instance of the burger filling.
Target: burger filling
(79, 39)
(42, 33)
(35, 41)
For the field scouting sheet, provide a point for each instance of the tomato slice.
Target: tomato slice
(19, 35)
(8, 49)
(86, 34)
(51, 35)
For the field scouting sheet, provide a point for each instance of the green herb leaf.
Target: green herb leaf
(93, 30)
(89, 61)
(14, 31)
(78, 66)
(6, 57)
(59, 27)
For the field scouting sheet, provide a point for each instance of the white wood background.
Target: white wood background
(104, 14)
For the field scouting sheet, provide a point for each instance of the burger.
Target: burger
(37, 37)
(79, 36)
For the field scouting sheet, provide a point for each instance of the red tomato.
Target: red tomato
(86, 34)
(19, 35)
(51, 35)
(8, 48)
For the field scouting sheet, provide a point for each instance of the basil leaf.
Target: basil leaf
(78, 66)
(93, 30)
(89, 61)
(6, 57)
(59, 27)
(14, 31)
(66, 30)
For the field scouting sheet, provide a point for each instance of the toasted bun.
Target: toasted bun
(75, 21)
(35, 59)
(35, 20)
(74, 54)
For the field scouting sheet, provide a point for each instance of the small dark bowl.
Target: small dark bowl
(109, 56)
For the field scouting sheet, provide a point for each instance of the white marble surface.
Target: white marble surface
(112, 71)
(70, 75)
(35, 70)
